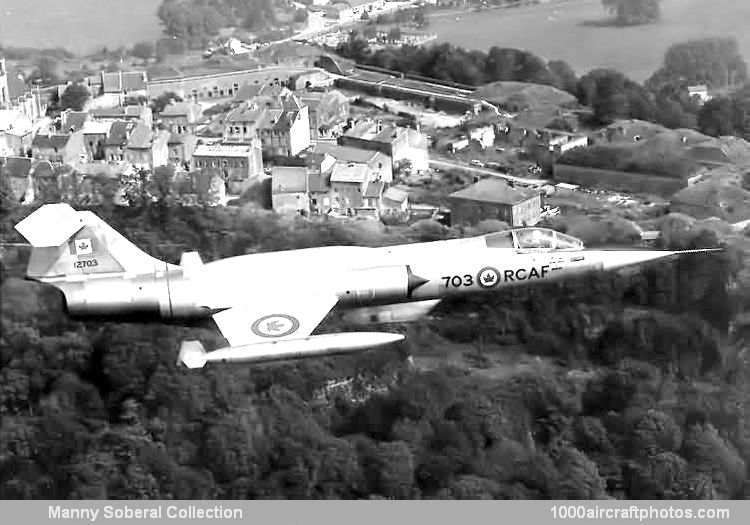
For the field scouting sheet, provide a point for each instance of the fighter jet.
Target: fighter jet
(267, 305)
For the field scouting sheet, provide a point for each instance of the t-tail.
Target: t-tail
(99, 271)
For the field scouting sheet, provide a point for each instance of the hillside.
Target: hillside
(519, 96)
(545, 393)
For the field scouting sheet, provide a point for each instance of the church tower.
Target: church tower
(4, 92)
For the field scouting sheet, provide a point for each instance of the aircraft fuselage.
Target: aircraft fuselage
(358, 276)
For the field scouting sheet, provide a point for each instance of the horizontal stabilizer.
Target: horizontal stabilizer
(192, 354)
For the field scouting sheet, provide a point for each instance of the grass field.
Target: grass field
(77, 25)
(561, 31)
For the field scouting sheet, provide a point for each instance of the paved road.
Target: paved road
(447, 165)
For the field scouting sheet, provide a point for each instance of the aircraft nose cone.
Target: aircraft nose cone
(622, 259)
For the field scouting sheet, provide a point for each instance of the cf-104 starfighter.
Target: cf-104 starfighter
(267, 305)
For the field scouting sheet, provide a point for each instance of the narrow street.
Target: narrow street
(448, 165)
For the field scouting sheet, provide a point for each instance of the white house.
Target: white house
(484, 135)
(700, 91)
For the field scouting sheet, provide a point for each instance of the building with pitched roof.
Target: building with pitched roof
(181, 117)
(269, 95)
(328, 113)
(303, 190)
(16, 94)
(241, 165)
(71, 121)
(395, 198)
(4, 87)
(494, 198)
(283, 128)
(59, 148)
(181, 149)
(95, 137)
(324, 155)
(146, 148)
(125, 82)
(200, 188)
(131, 113)
(16, 171)
(117, 140)
(290, 189)
(221, 86)
(15, 133)
(402, 145)
(314, 78)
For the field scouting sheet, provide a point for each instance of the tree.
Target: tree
(74, 97)
(633, 12)
(420, 19)
(580, 478)
(160, 102)
(715, 61)
(609, 101)
(394, 34)
(564, 76)
(716, 117)
(144, 50)
(355, 47)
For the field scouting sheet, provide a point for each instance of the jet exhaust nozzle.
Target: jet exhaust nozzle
(193, 355)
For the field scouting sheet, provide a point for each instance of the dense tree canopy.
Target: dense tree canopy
(101, 411)
(632, 12)
(197, 21)
(449, 63)
(715, 61)
(74, 97)
(727, 115)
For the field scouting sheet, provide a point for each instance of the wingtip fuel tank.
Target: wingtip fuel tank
(193, 355)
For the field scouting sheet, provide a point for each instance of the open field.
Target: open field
(560, 31)
(80, 26)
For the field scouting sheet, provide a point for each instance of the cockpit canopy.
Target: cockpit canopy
(532, 239)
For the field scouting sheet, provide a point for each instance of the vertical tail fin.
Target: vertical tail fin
(69, 242)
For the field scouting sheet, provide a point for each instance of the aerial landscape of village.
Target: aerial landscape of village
(231, 127)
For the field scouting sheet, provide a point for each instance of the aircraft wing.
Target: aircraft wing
(278, 319)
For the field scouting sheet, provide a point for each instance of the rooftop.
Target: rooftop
(141, 137)
(396, 194)
(346, 153)
(349, 172)
(16, 167)
(118, 133)
(50, 141)
(289, 179)
(494, 190)
(118, 112)
(224, 150)
(124, 81)
(375, 132)
(374, 189)
(181, 109)
(14, 122)
(74, 120)
(91, 127)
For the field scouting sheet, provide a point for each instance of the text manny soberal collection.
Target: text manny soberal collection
(153, 512)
